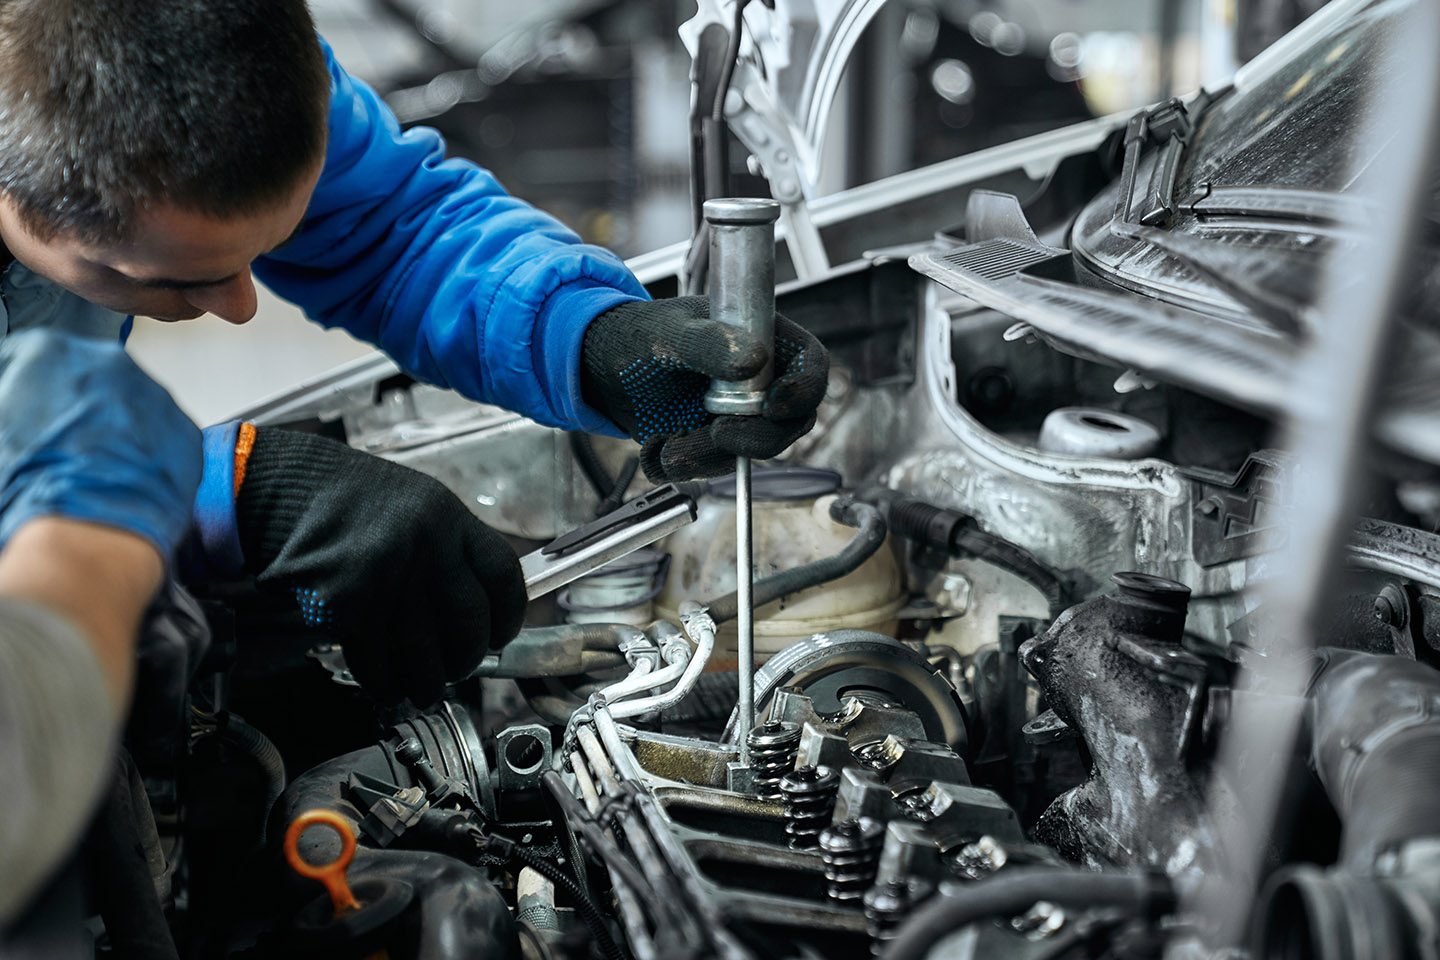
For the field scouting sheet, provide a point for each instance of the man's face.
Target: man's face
(174, 265)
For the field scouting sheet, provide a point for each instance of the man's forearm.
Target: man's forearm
(71, 598)
(99, 578)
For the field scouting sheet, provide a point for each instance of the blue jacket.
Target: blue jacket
(432, 261)
(429, 259)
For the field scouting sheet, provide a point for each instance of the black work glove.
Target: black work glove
(647, 366)
(385, 559)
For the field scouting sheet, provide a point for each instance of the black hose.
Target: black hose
(118, 874)
(957, 534)
(862, 546)
(256, 746)
(1015, 890)
(1376, 748)
(582, 448)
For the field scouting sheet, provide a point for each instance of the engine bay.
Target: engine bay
(1097, 617)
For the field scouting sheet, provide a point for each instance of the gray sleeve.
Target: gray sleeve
(57, 729)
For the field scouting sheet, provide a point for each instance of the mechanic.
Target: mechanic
(153, 152)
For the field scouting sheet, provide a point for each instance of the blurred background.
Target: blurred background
(581, 107)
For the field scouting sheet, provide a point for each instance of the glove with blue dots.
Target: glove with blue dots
(647, 365)
(382, 558)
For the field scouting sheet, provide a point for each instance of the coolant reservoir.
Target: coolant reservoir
(792, 527)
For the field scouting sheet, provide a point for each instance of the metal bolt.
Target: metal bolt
(1392, 606)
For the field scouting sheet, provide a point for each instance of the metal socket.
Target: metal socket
(742, 291)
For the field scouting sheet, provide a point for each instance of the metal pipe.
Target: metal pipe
(595, 756)
(653, 825)
(630, 912)
(742, 293)
(627, 893)
(677, 668)
(585, 782)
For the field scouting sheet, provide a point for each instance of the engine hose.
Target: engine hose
(1376, 748)
(257, 747)
(1015, 890)
(566, 650)
(957, 534)
(868, 538)
(582, 448)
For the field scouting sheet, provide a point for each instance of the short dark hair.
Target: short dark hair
(215, 106)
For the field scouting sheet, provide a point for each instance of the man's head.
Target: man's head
(150, 148)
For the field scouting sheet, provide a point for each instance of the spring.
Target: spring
(886, 906)
(773, 747)
(850, 850)
(809, 794)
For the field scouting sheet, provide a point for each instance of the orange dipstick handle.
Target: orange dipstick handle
(332, 874)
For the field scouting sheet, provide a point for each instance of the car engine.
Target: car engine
(1098, 616)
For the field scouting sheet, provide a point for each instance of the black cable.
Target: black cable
(974, 542)
(717, 131)
(1015, 890)
(258, 747)
(732, 57)
(582, 448)
(578, 816)
(862, 546)
(712, 137)
(617, 491)
(589, 912)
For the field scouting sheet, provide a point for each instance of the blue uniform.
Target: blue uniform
(465, 286)
(433, 262)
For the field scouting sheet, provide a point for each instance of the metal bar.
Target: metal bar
(742, 293)
(745, 619)
(544, 573)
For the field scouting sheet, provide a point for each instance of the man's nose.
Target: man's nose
(232, 301)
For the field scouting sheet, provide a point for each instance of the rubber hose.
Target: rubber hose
(118, 874)
(868, 538)
(1376, 747)
(1014, 891)
(975, 542)
(957, 534)
(557, 651)
(582, 448)
(258, 747)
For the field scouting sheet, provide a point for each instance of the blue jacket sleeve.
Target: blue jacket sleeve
(432, 261)
(212, 548)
